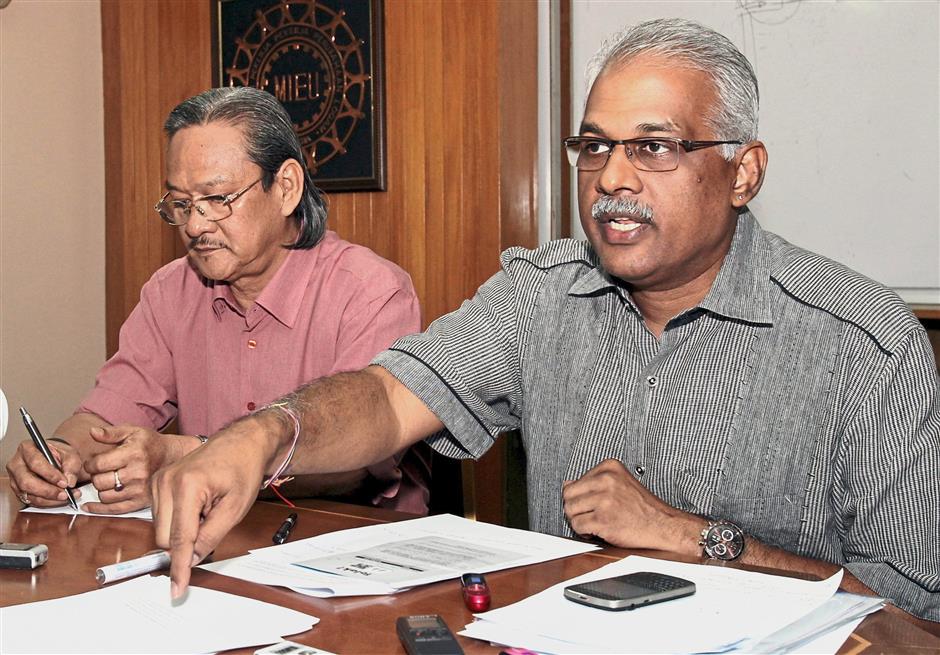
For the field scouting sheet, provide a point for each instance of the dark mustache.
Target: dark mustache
(607, 207)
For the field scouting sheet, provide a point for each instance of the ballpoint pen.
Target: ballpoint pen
(40, 443)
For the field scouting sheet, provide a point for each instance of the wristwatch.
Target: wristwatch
(722, 540)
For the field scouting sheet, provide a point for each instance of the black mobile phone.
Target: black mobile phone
(427, 634)
(627, 592)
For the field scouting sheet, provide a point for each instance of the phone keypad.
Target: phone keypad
(659, 581)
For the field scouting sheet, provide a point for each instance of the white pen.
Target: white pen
(159, 559)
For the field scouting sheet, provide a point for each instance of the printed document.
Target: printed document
(391, 557)
(413, 561)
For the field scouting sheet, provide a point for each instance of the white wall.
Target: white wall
(52, 285)
(850, 113)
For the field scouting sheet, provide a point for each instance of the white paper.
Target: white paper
(138, 617)
(268, 570)
(412, 561)
(830, 642)
(729, 607)
(89, 495)
(810, 634)
(277, 565)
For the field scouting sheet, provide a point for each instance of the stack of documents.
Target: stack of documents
(138, 617)
(392, 557)
(731, 610)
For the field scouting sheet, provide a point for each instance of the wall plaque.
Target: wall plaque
(323, 59)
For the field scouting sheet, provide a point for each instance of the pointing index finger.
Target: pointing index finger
(184, 509)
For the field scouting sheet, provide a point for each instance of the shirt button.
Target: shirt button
(640, 470)
(652, 381)
(252, 343)
(251, 407)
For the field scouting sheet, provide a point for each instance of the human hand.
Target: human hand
(137, 455)
(37, 482)
(608, 502)
(197, 500)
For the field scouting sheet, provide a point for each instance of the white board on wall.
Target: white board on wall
(850, 114)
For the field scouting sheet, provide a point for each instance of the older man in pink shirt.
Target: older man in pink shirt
(265, 301)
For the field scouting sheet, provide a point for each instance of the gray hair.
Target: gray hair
(735, 116)
(270, 140)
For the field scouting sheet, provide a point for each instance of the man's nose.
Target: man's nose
(198, 223)
(619, 173)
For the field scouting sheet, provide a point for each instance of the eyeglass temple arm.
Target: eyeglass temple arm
(698, 145)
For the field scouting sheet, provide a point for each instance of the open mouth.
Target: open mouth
(623, 224)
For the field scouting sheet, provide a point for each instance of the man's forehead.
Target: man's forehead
(648, 95)
(667, 125)
(205, 156)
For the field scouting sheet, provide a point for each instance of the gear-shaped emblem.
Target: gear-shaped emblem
(306, 55)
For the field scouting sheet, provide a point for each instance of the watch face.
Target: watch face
(724, 541)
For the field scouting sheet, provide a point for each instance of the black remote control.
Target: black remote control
(427, 634)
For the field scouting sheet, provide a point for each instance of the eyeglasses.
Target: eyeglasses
(212, 208)
(656, 154)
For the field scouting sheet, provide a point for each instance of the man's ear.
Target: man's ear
(290, 181)
(749, 173)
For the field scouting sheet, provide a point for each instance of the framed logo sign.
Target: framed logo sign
(323, 59)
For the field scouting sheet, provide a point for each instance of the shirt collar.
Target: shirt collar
(740, 290)
(282, 296)
(595, 279)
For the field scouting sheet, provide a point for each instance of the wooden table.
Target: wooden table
(80, 544)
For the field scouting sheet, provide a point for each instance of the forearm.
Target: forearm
(759, 554)
(348, 421)
(323, 484)
(762, 555)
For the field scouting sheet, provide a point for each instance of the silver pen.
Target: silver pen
(40, 443)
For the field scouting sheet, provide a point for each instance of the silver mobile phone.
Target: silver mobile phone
(22, 556)
(627, 592)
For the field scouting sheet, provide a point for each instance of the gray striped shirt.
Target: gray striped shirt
(799, 399)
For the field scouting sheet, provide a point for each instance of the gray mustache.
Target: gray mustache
(607, 207)
(203, 242)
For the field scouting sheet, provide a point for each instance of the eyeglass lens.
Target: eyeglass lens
(178, 212)
(649, 155)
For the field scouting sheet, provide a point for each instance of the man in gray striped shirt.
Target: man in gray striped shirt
(683, 381)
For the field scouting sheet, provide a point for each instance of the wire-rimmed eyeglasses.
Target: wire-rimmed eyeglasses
(213, 208)
(656, 154)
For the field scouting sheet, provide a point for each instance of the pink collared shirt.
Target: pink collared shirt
(188, 350)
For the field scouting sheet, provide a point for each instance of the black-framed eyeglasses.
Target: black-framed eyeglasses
(657, 154)
(212, 208)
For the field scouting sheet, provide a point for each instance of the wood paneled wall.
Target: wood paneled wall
(461, 129)
(461, 126)
(155, 54)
